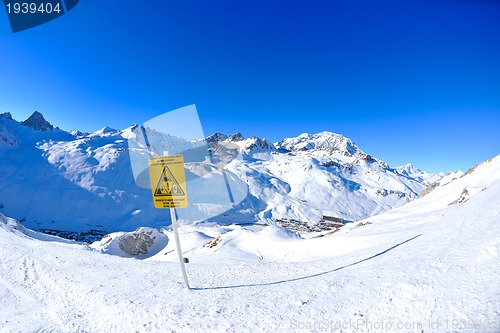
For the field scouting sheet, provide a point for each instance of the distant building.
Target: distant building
(331, 221)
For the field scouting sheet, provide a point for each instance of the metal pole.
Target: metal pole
(178, 241)
(178, 246)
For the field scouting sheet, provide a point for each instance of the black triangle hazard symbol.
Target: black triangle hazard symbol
(168, 185)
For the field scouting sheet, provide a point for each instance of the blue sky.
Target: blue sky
(407, 81)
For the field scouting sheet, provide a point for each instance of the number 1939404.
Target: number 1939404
(33, 8)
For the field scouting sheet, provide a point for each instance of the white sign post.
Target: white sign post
(168, 186)
(178, 246)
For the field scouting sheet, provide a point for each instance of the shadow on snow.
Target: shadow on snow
(309, 276)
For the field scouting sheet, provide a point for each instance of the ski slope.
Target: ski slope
(428, 266)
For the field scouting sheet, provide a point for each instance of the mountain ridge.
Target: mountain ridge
(91, 174)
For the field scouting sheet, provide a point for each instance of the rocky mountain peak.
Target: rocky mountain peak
(216, 137)
(105, 131)
(407, 169)
(235, 137)
(77, 133)
(326, 141)
(38, 122)
(6, 116)
(256, 143)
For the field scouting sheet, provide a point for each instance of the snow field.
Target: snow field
(412, 270)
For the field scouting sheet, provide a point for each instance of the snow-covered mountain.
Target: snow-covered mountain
(325, 141)
(422, 176)
(312, 175)
(51, 179)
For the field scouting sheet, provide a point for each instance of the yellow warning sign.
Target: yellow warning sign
(168, 181)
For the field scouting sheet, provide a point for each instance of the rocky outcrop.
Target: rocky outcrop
(216, 137)
(38, 122)
(137, 242)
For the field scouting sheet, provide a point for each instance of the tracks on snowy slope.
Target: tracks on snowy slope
(313, 275)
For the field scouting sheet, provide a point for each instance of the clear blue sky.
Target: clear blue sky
(407, 81)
